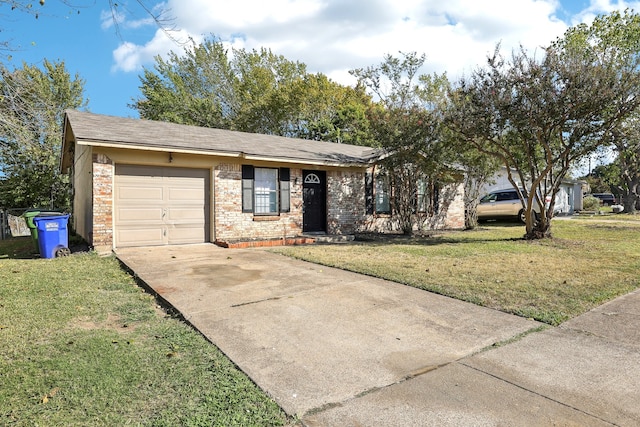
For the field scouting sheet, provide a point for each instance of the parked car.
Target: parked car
(502, 204)
(606, 199)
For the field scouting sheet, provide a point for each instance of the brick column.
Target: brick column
(103, 174)
(345, 201)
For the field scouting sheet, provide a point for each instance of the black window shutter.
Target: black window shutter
(247, 188)
(368, 192)
(285, 174)
(285, 190)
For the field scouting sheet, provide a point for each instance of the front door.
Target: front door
(314, 197)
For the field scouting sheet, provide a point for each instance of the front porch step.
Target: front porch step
(330, 238)
(244, 244)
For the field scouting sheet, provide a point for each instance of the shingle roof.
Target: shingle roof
(96, 129)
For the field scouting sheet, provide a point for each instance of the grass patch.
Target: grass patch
(81, 344)
(18, 248)
(589, 261)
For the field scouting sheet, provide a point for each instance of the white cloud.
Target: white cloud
(130, 57)
(598, 7)
(334, 36)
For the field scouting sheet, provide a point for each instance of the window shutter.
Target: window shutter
(285, 190)
(247, 188)
(368, 192)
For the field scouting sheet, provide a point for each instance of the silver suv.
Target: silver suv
(502, 204)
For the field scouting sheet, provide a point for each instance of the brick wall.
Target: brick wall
(345, 201)
(231, 224)
(102, 230)
(455, 208)
(450, 214)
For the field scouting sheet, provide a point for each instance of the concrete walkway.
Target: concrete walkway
(341, 349)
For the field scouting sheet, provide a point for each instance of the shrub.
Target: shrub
(591, 203)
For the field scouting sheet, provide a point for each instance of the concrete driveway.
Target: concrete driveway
(338, 348)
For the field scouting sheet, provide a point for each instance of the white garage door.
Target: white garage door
(160, 206)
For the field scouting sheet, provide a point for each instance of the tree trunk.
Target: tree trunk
(631, 197)
(630, 201)
(539, 232)
(538, 228)
(471, 216)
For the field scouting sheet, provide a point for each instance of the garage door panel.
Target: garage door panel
(142, 181)
(186, 194)
(129, 172)
(128, 215)
(185, 235)
(161, 205)
(140, 193)
(139, 237)
(193, 216)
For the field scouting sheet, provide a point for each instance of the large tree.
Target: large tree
(406, 123)
(32, 104)
(615, 38)
(605, 178)
(538, 114)
(252, 91)
(322, 109)
(626, 140)
(197, 88)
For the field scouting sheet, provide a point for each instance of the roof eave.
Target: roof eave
(218, 153)
(65, 162)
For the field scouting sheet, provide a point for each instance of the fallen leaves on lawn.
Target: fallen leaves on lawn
(50, 395)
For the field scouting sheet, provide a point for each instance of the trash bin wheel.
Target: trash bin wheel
(63, 252)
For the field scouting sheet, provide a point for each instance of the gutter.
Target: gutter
(231, 154)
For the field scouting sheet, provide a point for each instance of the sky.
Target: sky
(329, 36)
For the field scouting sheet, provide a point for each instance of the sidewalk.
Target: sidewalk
(583, 373)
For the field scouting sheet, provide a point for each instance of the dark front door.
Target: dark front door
(314, 196)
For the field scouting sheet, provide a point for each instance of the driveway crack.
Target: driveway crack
(411, 375)
(255, 302)
(537, 393)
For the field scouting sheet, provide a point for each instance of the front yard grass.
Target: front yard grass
(81, 344)
(589, 261)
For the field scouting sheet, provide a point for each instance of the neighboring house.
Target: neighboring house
(568, 199)
(139, 183)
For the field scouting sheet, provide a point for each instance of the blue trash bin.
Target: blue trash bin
(53, 237)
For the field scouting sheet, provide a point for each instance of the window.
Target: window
(265, 191)
(491, 197)
(377, 194)
(422, 198)
(427, 197)
(368, 192)
(507, 195)
(382, 195)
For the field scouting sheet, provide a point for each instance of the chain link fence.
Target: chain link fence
(12, 224)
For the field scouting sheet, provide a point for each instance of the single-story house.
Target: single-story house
(568, 200)
(142, 183)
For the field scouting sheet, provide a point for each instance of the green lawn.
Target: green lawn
(81, 344)
(589, 261)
